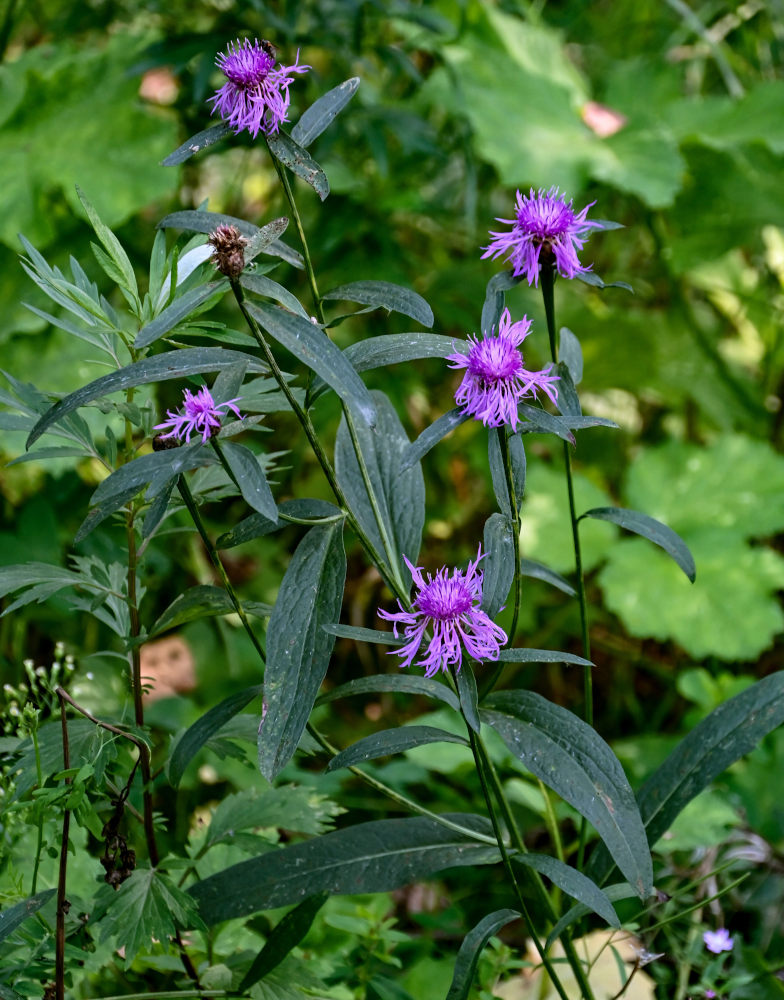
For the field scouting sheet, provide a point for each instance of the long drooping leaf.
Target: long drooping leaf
(299, 161)
(541, 656)
(622, 890)
(261, 285)
(472, 947)
(517, 465)
(537, 570)
(15, 915)
(194, 738)
(250, 478)
(391, 741)
(498, 563)
(257, 525)
(178, 311)
(573, 883)
(322, 112)
(431, 435)
(98, 514)
(653, 530)
(727, 734)
(146, 468)
(311, 346)
(400, 494)
(572, 759)
(172, 364)
(384, 295)
(203, 601)
(197, 142)
(367, 857)
(403, 683)
(298, 648)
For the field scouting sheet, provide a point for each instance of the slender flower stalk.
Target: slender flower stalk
(255, 96)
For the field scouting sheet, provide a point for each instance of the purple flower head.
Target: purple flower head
(256, 95)
(718, 941)
(449, 606)
(711, 993)
(200, 414)
(495, 380)
(544, 225)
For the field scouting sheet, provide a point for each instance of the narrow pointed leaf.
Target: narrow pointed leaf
(517, 463)
(431, 435)
(573, 760)
(299, 161)
(298, 648)
(202, 601)
(194, 738)
(384, 295)
(653, 530)
(469, 696)
(111, 245)
(15, 915)
(182, 307)
(197, 142)
(256, 525)
(568, 400)
(391, 741)
(613, 892)
(573, 883)
(368, 857)
(570, 352)
(172, 364)
(540, 421)
(591, 278)
(140, 471)
(364, 634)
(470, 950)
(494, 298)
(498, 564)
(260, 285)
(537, 570)
(285, 936)
(262, 240)
(542, 656)
(322, 112)
(251, 479)
(311, 346)
(99, 513)
(403, 683)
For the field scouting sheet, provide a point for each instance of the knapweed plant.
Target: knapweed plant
(90, 787)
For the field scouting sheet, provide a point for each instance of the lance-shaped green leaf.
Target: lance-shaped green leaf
(653, 530)
(257, 525)
(250, 478)
(285, 936)
(368, 857)
(572, 759)
(122, 266)
(194, 738)
(394, 349)
(42, 579)
(384, 295)
(172, 364)
(391, 741)
(310, 345)
(541, 656)
(364, 634)
(469, 696)
(146, 468)
(498, 563)
(262, 239)
(207, 137)
(182, 307)
(323, 111)
(494, 298)
(15, 915)
(261, 285)
(299, 161)
(570, 352)
(613, 892)
(573, 883)
(538, 571)
(568, 400)
(431, 435)
(398, 683)
(203, 601)
(593, 279)
(298, 648)
(727, 734)
(98, 514)
(400, 494)
(6, 993)
(517, 464)
(472, 947)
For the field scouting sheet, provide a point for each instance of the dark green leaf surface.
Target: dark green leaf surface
(368, 857)
(568, 400)
(573, 760)
(472, 947)
(172, 364)
(298, 648)
(541, 656)
(203, 601)
(653, 530)
(537, 570)
(182, 307)
(613, 892)
(469, 696)
(384, 295)
(311, 345)
(570, 352)
(261, 285)
(391, 741)
(402, 683)
(364, 634)
(256, 525)
(573, 883)
(299, 161)
(322, 112)
(285, 936)
(15, 915)
(498, 563)
(494, 298)
(98, 513)
(140, 471)
(197, 142)
(250, 478)
(194, 738)
(264, 239)
(590, 278)
(431, 435)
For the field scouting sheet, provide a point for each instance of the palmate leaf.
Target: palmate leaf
(368, 857)
(298, 649)
(287, 807)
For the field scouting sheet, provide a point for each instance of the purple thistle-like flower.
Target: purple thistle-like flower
(495, 380)
(545, 224)
(718, 941)
(256, 95)
(449, 605)
(200, 414)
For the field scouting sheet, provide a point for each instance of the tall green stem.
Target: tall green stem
(503, 440)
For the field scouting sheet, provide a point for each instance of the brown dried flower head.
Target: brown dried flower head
(229, 250)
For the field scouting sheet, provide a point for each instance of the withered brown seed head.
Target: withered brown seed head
(229, 250)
